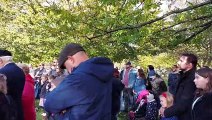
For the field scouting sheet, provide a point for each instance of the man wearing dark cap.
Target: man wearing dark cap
(85, 94)
(15, 79)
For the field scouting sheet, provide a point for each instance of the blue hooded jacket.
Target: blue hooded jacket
(85, 94)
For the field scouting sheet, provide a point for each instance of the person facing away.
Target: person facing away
(28, 95)
(86, 93)
(202, 104)
(158, 84)
(151, 108)
(185, 88)
(15, 79)
(140, 82)
(117, 87)
(150, 71)
(172, 79)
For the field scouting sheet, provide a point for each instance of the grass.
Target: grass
(39, 111)
(121, 116)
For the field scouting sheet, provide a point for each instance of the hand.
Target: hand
(161, 111)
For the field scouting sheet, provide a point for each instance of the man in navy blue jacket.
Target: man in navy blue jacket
(86, 93)
(15, 79)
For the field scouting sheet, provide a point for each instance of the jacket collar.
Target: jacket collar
(185, 74)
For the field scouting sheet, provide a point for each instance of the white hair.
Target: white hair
(7, 58)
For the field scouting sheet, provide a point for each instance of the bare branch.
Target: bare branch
(153, 20)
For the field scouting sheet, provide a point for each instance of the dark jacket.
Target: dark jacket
(85, 94)
(3, 107)
(172, 82)
(184, 97)
(202, 109)
(15, 84)
(44, 89)
(117, 87)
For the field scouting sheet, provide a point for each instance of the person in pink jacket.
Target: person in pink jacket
(28, 95)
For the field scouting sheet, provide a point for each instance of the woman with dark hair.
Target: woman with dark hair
(150, 71)
(140, 82)
(202, 104)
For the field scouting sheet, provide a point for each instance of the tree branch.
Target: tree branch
(181, 22)
(198, 32)
(121, 8)
(92, 26)
(193, 27)
(153, 20)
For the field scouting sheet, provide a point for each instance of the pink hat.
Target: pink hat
(142, 94)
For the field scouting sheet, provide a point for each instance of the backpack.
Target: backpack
(12, 113)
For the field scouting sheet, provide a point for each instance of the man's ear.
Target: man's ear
(190, 65)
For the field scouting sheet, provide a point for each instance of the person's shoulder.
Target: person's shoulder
(208, 96)
(11, 66)
(133, 70)
(74, 77)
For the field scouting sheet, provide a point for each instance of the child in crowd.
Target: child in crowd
(151, 108)
(166, 100)
(139, 109)
(50, 85)
(44, 85)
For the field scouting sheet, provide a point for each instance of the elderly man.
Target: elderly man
(15, 79)
(86, 93)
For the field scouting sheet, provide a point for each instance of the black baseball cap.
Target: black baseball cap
(68, 50)
(5, 53)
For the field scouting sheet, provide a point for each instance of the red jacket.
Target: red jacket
(28, 99)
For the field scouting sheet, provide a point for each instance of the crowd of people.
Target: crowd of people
(76, 87)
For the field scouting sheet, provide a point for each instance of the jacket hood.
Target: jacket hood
(100, 67)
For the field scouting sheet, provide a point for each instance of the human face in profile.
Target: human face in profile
(183, 64)
(69, 64)
(163, 102)
(200, 82)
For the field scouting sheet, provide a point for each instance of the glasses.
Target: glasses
(3, 76)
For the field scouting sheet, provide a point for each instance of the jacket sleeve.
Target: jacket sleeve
(69, 93)
(183, 103)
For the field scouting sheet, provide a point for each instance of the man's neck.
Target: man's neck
(7, 63)
(187, 70)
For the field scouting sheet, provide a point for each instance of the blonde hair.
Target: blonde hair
(24, 67)
(169, 98)
(3, 83)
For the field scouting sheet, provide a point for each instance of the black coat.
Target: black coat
(184, 97)
(3, 107)
(15, 84)
(202, 109)
(117, 87)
